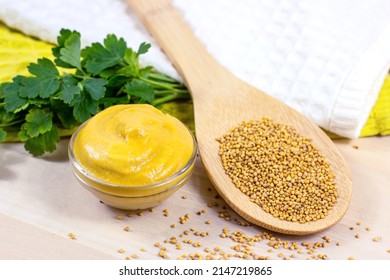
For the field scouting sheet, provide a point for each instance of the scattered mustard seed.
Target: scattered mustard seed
(377, 239)
(119, 217)
(322, 257)
(72, 236)
(357, 235)
(184, 218)
(351, 258)
(368, 228)
(127, 228)
(121, 250)
(162, 254)
(173, 240)
(355, 147)
(279, 170)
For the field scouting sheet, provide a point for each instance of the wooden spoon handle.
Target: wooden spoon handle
(185, 51)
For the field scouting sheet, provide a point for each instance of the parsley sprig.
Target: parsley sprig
(39, 106)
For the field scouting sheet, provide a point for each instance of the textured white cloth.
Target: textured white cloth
(327, 59)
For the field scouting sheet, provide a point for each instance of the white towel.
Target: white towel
(327, 59)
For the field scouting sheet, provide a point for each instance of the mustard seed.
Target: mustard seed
(162, 254)
(72, 236)
(281, 171)
(184, 218)
(377, 239)
(134, 256)
(127, 228)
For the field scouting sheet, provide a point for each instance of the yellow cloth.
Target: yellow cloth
(18, 50)
(378, 123)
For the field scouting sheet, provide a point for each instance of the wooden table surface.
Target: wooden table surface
(41, 203)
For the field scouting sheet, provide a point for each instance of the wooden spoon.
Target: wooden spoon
(221, 102)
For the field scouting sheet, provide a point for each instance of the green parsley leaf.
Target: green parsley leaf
(117, 47)
(10, 92)
(107, 102)
(95, 87)
(43, 68)
(84, 107)
(131, 58)
(68, 51)
(64, 113)
(98, 57)
(129, 71)
(69, 88)
(140, 89)
(3, 134)
(46, 142)
(38, 121)
(43, 87)
(143, 48)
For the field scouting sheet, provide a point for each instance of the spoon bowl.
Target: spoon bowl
(221, 102)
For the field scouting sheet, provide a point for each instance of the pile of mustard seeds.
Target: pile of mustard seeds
(280, 170)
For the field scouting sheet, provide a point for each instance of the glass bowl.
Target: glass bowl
(131, 197)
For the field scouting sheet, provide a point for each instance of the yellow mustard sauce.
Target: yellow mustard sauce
(133, 145)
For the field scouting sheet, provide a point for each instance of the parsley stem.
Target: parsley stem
(182, 92)
(158, 84)
(167, 98)
(162, 77)
(9, 124)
